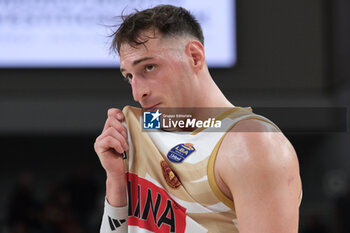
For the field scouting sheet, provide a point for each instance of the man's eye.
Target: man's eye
(128, 77)
(149, 68)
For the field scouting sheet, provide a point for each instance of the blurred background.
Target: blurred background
(291, 53)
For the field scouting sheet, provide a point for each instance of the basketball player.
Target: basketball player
(244, 179)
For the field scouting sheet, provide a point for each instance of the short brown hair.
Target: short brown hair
(167, 19)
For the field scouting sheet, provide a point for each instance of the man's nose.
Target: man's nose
(139, 89)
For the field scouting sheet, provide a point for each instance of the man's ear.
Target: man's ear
(195, 52)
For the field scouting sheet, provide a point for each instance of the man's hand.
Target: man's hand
(109, 147)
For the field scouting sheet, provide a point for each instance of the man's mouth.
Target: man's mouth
(152, 108)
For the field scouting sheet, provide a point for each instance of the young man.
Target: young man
(244, 179)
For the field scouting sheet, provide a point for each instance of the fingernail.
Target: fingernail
(119, 116)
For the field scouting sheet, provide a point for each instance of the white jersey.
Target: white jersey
(170, 176)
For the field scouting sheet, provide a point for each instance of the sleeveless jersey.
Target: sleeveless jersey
(170, 176)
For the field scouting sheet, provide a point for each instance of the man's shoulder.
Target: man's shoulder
(253, 142)
(254, 125)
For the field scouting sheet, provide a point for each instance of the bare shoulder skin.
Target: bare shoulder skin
(258, 169)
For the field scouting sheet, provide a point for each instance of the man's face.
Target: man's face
(159, 73)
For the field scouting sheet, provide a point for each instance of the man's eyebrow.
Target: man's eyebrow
(137, 62)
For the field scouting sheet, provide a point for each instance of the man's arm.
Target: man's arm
(109, 147)
(259, 170)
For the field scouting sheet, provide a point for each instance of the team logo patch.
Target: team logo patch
(178, 153)
(170, 177)
(151, 120)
